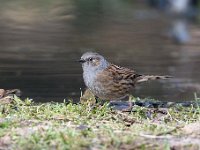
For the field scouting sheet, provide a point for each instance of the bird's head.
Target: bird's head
(93, 62)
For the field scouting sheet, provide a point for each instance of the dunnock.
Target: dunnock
(108, 81)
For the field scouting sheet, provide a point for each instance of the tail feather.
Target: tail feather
(144, 78)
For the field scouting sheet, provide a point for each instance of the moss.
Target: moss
(27, 125)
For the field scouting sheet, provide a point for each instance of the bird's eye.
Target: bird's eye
(90, 59)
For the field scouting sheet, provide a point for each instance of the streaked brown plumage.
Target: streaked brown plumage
(108, 81)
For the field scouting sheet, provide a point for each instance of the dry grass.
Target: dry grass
(26, 125)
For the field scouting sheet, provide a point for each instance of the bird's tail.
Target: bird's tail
(144, 78)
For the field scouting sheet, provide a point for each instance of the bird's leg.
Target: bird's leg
(130, 105)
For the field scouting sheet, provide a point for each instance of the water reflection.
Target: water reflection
(40, 42)
(179, 13)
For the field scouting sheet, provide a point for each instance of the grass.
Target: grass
(27, 125)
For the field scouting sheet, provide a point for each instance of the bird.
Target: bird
(108, 81)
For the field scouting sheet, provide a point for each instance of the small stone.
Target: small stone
(6, 100)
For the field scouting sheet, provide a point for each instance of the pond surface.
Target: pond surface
(40, 42)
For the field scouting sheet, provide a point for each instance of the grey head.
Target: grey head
(93, 62)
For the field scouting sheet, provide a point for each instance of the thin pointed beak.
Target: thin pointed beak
(81, 61)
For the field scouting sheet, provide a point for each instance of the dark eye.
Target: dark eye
(90, 59)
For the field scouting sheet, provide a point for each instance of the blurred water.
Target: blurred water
(41, 40)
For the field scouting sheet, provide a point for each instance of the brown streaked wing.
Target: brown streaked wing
(122, 73)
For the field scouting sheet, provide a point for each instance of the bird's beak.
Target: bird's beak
(81, 61)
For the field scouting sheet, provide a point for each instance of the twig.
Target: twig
(155, 136)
